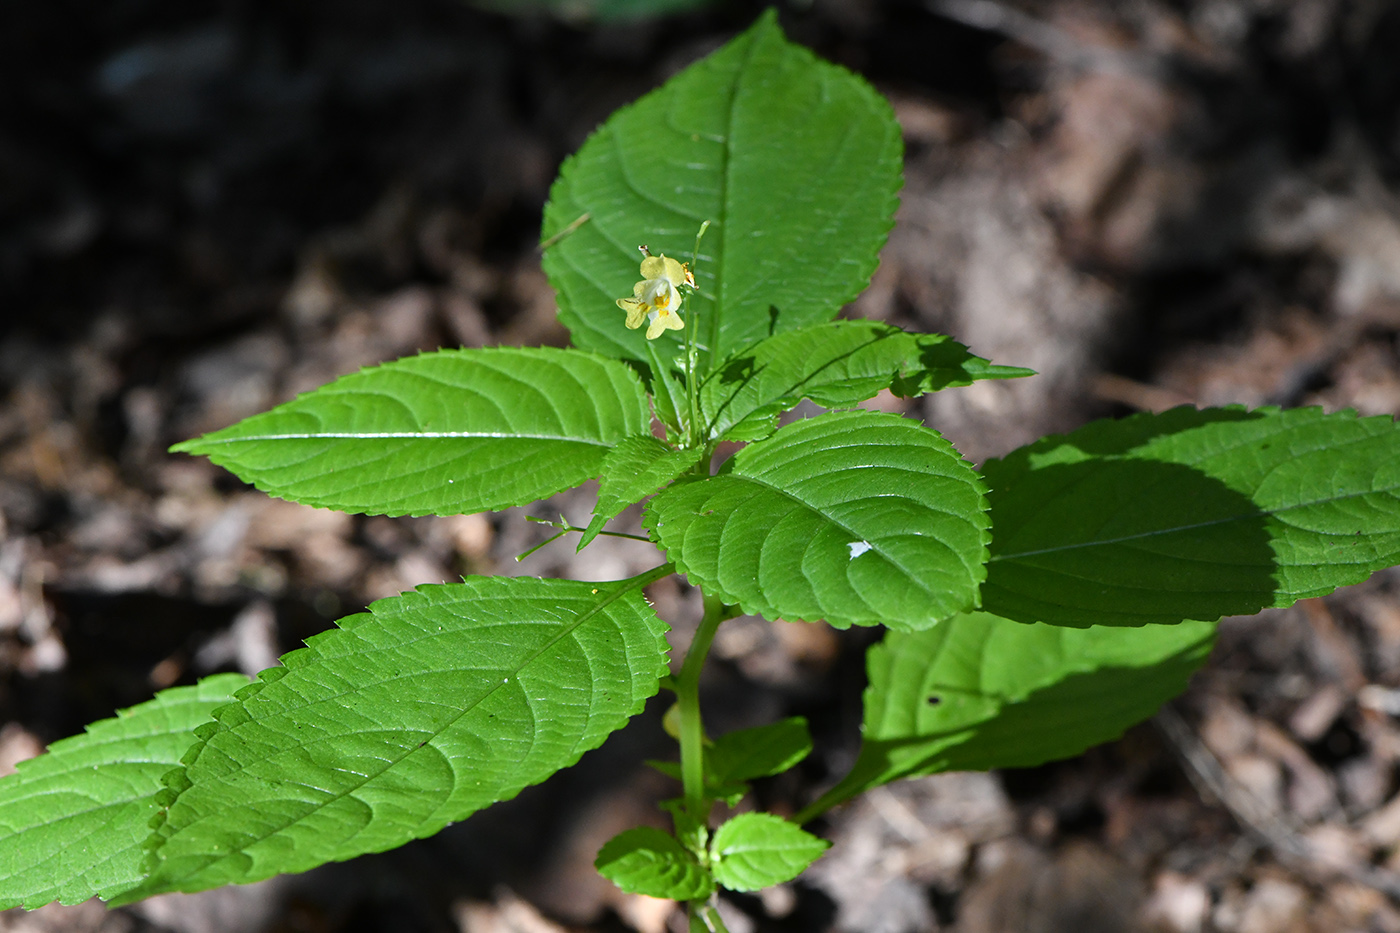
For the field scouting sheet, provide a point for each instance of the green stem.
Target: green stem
(692, 353)
(703, 918)
(813, 810)
(692, 729)
(691, 389)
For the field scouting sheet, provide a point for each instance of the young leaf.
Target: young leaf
(859, 518)
(692, 828)
(796, 163)
(729, 792)
(633, 470)
(411, 716)
(445, 433)
(756, 850)
(1192, 514)
(648, 861)
(758, 752)
(74, 819)
(835, 364)
(981, 692)
(746, 754)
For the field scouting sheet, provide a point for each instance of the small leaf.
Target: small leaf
(980, 692)
(835, 364)
(796, 163)
(446, 433)
(730, 792)
(633, 470)
(73, 820)
(746, 754)
(859, 518)
(756, 850)
(692, 828)
(1192, 514)
(409, 717)
(648, 861)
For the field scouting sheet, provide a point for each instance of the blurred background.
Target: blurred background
(207, 207)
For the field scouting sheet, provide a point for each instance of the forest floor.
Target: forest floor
(211, 207)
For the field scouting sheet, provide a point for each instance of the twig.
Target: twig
(1272, 830)
(573, 225)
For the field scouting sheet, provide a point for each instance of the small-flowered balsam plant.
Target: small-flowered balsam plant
(1031, 609)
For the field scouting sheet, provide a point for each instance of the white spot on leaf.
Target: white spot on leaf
(858, 548)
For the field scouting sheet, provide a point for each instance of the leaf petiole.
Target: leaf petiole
(564, 528)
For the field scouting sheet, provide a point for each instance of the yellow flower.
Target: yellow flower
(657, 297)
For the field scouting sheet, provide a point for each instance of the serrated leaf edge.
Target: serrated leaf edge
(225, 718)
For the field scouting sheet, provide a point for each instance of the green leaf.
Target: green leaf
(859, 518)
(730, 792)
(980, 692)
(409, 717)
(692, 827)
(795, 161)
(835, 364)
(446, 433)
(648, 861)
(633, 470)
(1192, 514)
(756, 850)
(746, 754)
(74, 819)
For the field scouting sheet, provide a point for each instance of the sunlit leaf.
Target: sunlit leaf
(73, 820)
(793, 160)
(835, 364)
(409, 717)
(858, 518)
(648, 861)
(758, 850)
(636, 468)
(445, 433)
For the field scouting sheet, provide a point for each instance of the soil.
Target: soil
(209, 207)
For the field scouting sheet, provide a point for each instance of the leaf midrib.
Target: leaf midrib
(719, 302)
(1257, 513)
(404, 435)
(878, 549)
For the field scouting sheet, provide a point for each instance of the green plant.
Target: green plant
(1033, 610)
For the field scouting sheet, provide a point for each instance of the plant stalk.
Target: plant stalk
(692, 353)
(692, 728)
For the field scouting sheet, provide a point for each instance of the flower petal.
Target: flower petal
(675, 272)
(636, 310)
(654, 267)
(663, 320)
